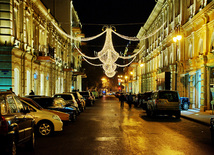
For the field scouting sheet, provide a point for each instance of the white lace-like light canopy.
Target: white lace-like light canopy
(108, 56)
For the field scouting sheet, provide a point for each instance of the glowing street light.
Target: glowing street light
(141, 65)
(177, 38)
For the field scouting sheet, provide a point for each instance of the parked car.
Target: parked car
(93, 97)
(184, 103)
(212, 129)
(65, 117)
(87, 97)
(80, 100)
(96, 94)
(46, 122)
(144, 99)
(51, 104)
(164, 102)
(70, 101)
(16, 124)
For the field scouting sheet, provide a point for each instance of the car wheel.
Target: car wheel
(31, 142)
(45, 128)
(212, 136)
(185, 106)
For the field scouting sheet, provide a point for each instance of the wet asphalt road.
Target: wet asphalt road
(107, 129)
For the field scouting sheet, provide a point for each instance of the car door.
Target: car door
(17, 120)
(27, 119)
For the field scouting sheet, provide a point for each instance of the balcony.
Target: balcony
(45, 58)
(76, 29)
(81, 35)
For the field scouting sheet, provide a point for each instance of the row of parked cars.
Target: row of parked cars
(23, 117)
(159, 102)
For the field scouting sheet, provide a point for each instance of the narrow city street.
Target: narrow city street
(105, 128)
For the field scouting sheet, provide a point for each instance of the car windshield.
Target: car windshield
(84, 93)
(33, 103)
(75, 95)
(65, 97)
(169, 95)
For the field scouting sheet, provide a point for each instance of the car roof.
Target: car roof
(165, 91)
(6, 92)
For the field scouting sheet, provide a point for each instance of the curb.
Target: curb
(195, 120)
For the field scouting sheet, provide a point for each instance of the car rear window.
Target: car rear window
(146, 96)
(169, 95)
(44, 102)
(65, 97)
(84, 93)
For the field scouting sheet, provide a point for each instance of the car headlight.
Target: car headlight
(56, 117)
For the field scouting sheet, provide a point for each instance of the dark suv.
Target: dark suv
(164, 102)
(16, 125)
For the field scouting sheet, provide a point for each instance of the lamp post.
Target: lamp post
(176, 39)
(131, 74)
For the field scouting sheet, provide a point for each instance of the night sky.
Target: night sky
(126, 15)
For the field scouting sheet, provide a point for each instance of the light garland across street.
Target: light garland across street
(108, 56)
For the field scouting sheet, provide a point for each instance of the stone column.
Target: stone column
(204, 103)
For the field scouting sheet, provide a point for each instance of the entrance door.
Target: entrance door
(198, 88)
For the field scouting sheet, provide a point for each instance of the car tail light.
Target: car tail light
(3, 125)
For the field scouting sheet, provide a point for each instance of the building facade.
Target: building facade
(184, 65)
(36, 53)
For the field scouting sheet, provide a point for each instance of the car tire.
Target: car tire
(31, 142)
(185, 106)
(45, 128)
(212, 135)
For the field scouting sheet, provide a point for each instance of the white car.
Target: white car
(68, 97)
(46, 122)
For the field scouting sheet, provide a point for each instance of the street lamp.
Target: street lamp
(176, 39)
(141, 65)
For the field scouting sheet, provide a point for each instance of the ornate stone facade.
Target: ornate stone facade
(190, 60)
(36, 53)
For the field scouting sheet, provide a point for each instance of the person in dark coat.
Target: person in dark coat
(130, 100)
(122, 98)
(31, 93)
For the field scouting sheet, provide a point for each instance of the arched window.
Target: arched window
(35, 76)
(16, 81)
(212, 43)
(200, 47)
(28, 83)
(42, 84)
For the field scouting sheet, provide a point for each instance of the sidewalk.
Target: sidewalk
(196, 115)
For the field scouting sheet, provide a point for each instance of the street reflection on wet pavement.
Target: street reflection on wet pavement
(106, 128)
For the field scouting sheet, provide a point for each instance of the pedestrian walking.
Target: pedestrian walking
(31, 93)
(130, 100)
(122, 99)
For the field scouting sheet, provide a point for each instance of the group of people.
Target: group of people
(128, 98)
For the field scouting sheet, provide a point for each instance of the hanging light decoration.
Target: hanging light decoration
(108, 56)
